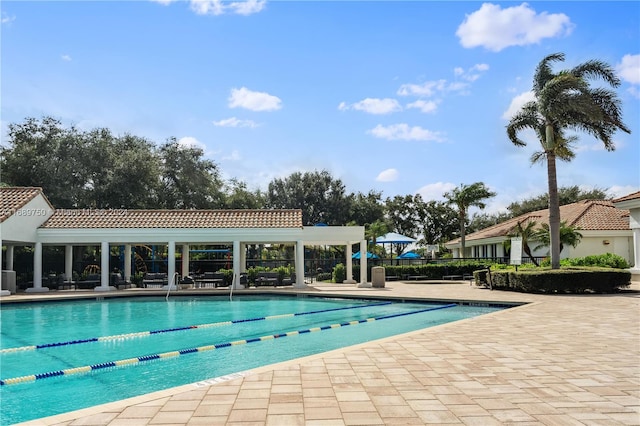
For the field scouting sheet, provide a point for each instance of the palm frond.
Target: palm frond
(596, 69)
(544, 73)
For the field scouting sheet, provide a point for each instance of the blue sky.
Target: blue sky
(398, 97)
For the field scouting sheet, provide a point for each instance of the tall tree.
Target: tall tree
(565, 101)
(462, 198)
(237, 196)
(403, 214)
(438, 223)
(188, 180)
(322, 198)
(366, 208)
(566, 195)
(121, 171)
(43, 153)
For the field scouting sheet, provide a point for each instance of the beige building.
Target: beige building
(604, 225)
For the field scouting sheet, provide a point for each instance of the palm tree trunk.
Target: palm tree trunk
(462, 217)
(554, 210)
(527, 250)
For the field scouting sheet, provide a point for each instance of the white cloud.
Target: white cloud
(617, 191)
(191, 142)
(435, 191)
(235, 122)
(7, 19)
(404, 132)
(388, 175)
(438, 87)
(428, 88)
(373, 106)
(495, 28)
(424, 106)
(66, 58)
(220, 7)
(164, 2)
(473, 73)
(248, 7)
(517, 103)
(254, 101)
(629, 69)
(233, 156)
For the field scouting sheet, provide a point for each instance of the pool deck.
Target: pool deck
(559, 360)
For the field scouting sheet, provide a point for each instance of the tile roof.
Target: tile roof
(589, 215)
(13, 198)
(124, 218)
(632, 196)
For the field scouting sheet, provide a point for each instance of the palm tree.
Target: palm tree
(565, 101)
(527, 233)
(375, 230)
(464, 197)
(569, 235)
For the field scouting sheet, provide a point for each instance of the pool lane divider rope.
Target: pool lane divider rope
(189, 327)
(172, 354)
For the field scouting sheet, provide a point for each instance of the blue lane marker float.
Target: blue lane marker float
(189, 327)
(145, 358)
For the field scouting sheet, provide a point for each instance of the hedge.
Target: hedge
(433, 271)
(564, 280)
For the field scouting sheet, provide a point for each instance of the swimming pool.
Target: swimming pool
(61, 356)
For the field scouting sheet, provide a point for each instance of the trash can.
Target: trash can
(377, 277)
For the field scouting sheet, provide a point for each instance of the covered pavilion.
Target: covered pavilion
(27, 218)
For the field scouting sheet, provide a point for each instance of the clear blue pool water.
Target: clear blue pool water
(26, 325)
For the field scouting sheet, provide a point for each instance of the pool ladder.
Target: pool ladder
(233, 283)
(174, 280)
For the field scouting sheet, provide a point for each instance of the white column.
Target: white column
(363, 265)
(349, 263)
(127, 263)
(236, 265)
(104, 268)
(171, 265)
(9, 258)
(636, 251)
(185, 260)
(243, 257)
(68, 262)
(5, 292)
(37, 271)
(299, 265)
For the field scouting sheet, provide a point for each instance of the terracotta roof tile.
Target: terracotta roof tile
(14, 198)
(123, 218)
(591, 215)
(632, 196)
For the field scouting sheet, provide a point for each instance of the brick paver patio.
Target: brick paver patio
(559, 360)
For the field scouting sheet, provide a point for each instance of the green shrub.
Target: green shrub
(564, 280)
(228, 275)
(324, 276)
(339, 273)
(136, 278)
(607, 260)
(252, 273)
